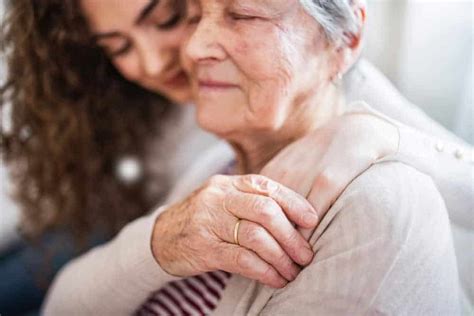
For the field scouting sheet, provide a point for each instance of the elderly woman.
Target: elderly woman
(374, 249)
(259, 106)
(57, 78)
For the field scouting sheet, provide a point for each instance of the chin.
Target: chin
(214, 123)
(181, 98)
(178, 96)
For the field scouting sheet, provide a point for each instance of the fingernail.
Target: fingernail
(295, 271)
(313, 209)
(306, 255)
(311, 218)
(282, 283)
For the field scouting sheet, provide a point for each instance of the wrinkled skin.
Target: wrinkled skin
(148, 53)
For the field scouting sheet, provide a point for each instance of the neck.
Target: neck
(255, 150)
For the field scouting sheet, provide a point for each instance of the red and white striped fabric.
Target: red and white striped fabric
(198, 295)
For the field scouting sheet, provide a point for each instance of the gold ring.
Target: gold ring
(236, 232)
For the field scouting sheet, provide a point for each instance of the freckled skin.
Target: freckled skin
(280, 60)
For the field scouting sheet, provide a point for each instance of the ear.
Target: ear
(355, 40)
(350, 51)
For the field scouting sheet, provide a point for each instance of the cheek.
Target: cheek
(268, 81)
(129, 67)
(261, 53)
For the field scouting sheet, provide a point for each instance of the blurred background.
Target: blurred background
(424, 47)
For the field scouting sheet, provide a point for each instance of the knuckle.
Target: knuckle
(216, 179)
(293, 239)
(255, 235)
(266, 208)
(273, 188)
(243, 260)
(216, 254)
(254, 180)
(265, 185)
(268, 276)
(248, 180)
(206, 193)
(283, 261)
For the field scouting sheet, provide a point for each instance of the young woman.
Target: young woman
(88, 85)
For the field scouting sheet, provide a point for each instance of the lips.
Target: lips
(216, 85)
(179, 79)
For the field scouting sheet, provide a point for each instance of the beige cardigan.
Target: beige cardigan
(384, 247)
(392, 254)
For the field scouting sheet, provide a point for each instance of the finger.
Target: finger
(256, 238)
(266, 212)
(332, 180)
(236, 259)
(295, 166)
(296, 207)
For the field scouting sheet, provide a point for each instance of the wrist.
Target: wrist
(165, 240)
(157, 238)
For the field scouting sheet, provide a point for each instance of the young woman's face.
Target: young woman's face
(142, 39)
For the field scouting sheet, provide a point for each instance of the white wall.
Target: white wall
(425, 48)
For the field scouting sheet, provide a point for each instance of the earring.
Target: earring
(337, 79)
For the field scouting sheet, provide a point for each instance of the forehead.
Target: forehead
(259, 4)
(107, 15)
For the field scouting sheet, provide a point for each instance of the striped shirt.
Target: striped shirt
(197, 295)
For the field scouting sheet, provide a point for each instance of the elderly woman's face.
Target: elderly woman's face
(254, 64)
(143, 40)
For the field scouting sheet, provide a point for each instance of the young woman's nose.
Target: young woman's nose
(153, 58)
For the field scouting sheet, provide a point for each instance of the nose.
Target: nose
(204, 44)
(153, 58)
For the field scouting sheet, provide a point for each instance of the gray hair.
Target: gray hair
(336, 17)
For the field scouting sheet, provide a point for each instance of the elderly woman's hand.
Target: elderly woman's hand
(197, 234)
(320, 165)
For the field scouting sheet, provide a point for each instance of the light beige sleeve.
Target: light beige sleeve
(385, 247)
(113, 279)
(450, 165)
(447, 160)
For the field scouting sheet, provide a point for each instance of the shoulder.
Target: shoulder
(393, 210)
(395, 199)
(384, 247)
(392, 203)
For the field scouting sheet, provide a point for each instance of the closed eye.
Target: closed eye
(237, 16)
(171, 22)
(119, 52)
(114, 44)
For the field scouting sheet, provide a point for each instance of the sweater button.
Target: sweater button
(459, 154)
(439, 147)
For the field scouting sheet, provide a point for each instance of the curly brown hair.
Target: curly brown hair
(71, 116)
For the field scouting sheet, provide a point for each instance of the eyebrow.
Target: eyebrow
(146, 11)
